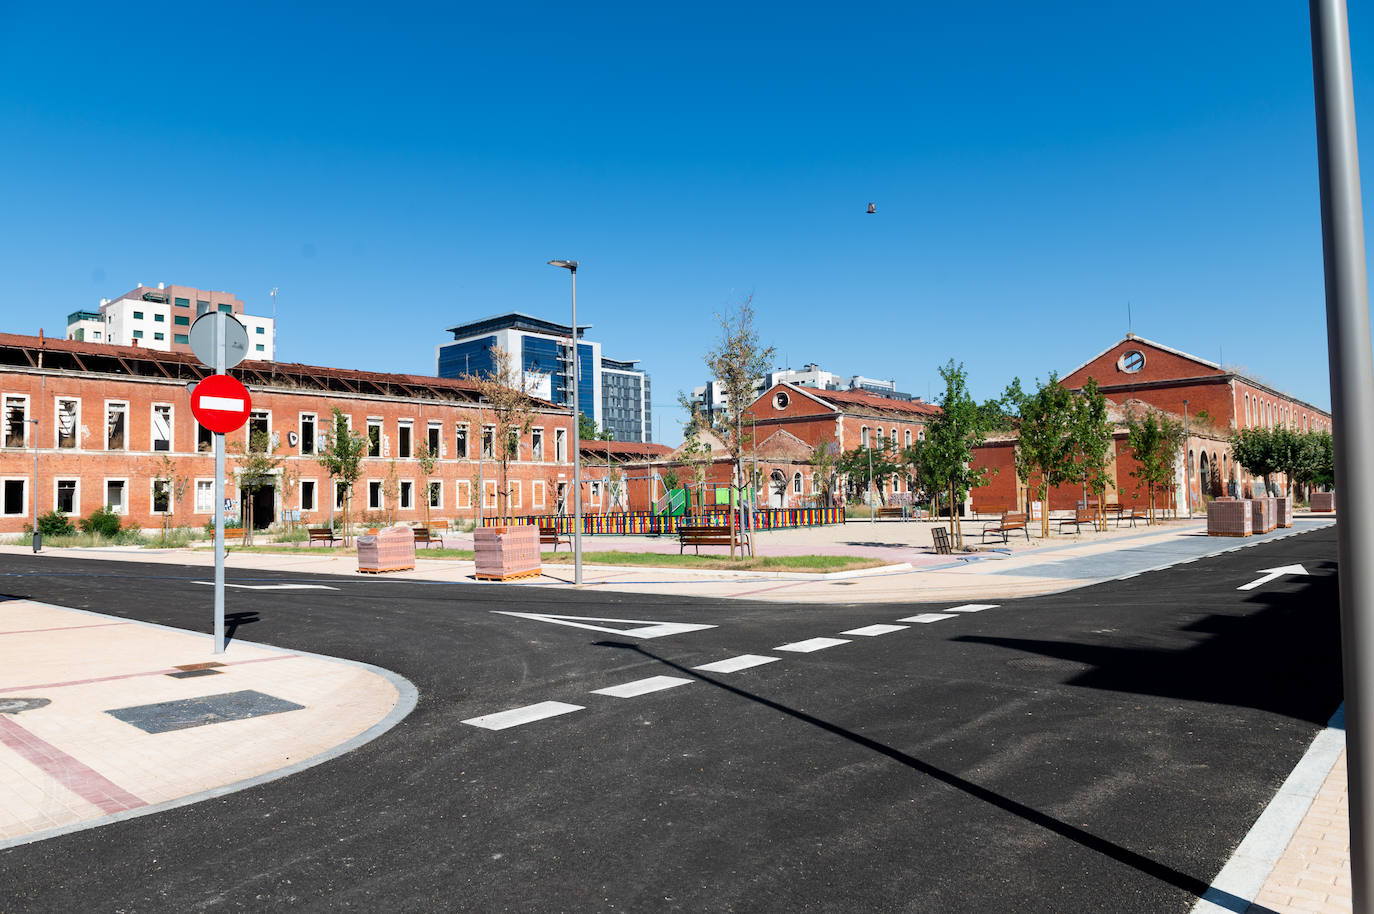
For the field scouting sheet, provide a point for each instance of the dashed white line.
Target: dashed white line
(810, 645)
(972, 607)
(735, 664)
(517, 716)
(871, 630)
(929, 617)
(642, 686)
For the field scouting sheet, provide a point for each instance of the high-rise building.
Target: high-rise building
(611, 392)
(160, 319)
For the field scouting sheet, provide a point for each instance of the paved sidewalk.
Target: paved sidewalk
(104, 718)
(1313, 875)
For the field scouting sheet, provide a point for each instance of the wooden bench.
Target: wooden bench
(321, 534)
(438, 526)
(1010, 521)
(234, 536)
(897, 511)
(423, 537)
(941, 537)
(699, 535)
(1080, 517)
(549, 536)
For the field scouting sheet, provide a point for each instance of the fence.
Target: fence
(642, 523)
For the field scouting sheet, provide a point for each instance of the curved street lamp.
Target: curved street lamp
(571, 267)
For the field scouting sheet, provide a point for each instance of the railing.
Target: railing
(640, 523)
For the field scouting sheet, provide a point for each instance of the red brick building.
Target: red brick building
(107, 416)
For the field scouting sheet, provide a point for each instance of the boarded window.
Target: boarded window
(68, 415)
(560, 445)
(205, 496)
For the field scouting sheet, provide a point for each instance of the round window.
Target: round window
(1131, 361)
(780, 400)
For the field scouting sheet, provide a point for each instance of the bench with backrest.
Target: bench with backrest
(423, 537)
(699, 535)
(321, 535)
(893, 511)
(941, 537)
(1010, 520)
(234, 535)
(549, 536)
(1080, 517)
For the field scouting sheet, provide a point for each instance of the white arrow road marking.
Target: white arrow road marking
(228, 404)
(735, 664)
(271, 586)
(1270, 574)
(517, 716)
(642, 686)
(644, 628)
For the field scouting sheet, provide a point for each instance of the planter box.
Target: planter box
(1323, 501)
(506, 553)
(1265, 514)
(1284, 506)
(1229, 517)
(389, 549)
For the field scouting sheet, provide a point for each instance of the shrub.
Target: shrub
(55, 523)
(102, 522)
(230, 523)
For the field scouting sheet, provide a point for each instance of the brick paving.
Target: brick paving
(1313, 875)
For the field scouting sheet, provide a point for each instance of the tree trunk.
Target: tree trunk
(956, 532)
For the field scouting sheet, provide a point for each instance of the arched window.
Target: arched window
(863, 435)
(1248, 417)
(796, 483)
(908, 437)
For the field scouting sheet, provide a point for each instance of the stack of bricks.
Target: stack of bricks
(1265, 513)
(389, 549)
(1229, 517)
(1284, 507)
(504, 553)
(1323, 501)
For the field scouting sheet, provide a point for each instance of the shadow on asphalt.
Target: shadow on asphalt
(1264, 659)
(232, 621)
(1153, 868)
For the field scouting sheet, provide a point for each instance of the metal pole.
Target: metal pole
(37, 537)
(220, 343)
(1352, 405)
(577, 442)
(1187, 462)
(481, 447)
(872, 502)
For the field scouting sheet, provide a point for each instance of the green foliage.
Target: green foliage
(865, 467)
(1045, 440)
(824, 470)
(342, 457)
(230, 523)
(587, 430)
(103, 522)
(1092, 439)
(55, 523)
(1154, 438)
(961, 426)
(670, 478)
(736, 361)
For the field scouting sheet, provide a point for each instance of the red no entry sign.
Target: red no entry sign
(220, 403)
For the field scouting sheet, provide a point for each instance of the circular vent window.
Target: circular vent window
(1131, 361)
(780, 400)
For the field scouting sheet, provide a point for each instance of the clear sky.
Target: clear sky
(395, 169)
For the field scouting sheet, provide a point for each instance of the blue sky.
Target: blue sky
(397, 169)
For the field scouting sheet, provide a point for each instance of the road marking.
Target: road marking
(272, 586)
(735, 664)
(810, 645)
(1269, 574)
(972, 607)
(871, 630)
(517, 716)
(929, 617)
(642, 686)
(644, 628)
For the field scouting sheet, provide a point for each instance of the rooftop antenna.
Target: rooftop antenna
(1130, 326)
(273, 293)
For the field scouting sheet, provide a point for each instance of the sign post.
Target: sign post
(221, 404)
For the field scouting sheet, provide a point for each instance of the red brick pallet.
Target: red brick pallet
(1230, 517)
(515, 575)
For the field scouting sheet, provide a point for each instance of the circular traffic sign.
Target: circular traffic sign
(215, 330)
(221, 403)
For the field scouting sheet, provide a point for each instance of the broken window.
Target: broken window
(66, 496)
(307, 433)
(116, 422)
(259, 431)
(162, 496)
(403, 434)
(162, 427)
(460, 444)
(374, 438)
(433, 442)
(68, 416)
(14, 497)
(537, 444)
(407, 493)
(488, 434)
(16, 421)
(114, 496)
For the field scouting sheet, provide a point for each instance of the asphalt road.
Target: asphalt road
(1104, 749)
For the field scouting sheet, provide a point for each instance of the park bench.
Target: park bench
(438, 526)
(1009, 521)
(699, 535)
(234, 535)
(941, 537)
(1080, 517)
(423, 537)
(549, 536)
(894, 511)
(321, 534)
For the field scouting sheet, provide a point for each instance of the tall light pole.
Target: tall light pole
(571, 267)
(1352, 403)
(873, 501)
(1187, 463)
(33, 498)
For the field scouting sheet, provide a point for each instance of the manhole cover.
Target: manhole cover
(15, 705)
(1047, 665)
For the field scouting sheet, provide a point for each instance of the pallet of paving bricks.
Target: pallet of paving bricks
(389, 549)
(1285, 510)
(506, 553)
(1266, 515)
(1230, 517)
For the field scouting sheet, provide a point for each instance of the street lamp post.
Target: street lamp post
(872, 500)
(571, 267)
(33, 498)
(1187, 463)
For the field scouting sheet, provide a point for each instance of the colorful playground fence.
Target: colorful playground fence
(642, 523)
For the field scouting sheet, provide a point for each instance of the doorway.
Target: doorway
(264, 503)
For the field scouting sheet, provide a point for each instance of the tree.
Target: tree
(257, 469)
(912, 465)
(391, 490)
(1154, 439)
(1045, 441)
(587, 430)
(1092, 441)
(1262, 451)
(290, 482)
(426, 461)
(951, 437)
(736, 361)
(513, 412)
(824, 461)
(342, 457)
(168, 489)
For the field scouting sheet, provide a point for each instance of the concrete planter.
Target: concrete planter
(1284, 507)
(1323, 501)
(1229, 517)
(1265, 514)
(506, 553)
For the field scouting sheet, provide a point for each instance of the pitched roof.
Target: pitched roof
(842, 398)
(624, 449)
(1132, 338)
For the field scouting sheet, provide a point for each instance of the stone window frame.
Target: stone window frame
(76, 494)
(57, 402)
(105, 492)
(23, 500)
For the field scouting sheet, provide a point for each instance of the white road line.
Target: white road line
(871, 630)
(929, 617)
(642, 686)
(517, 716)
(810, 645)
(735, 664)
(271, 586)
(972, 607)
(643, 628)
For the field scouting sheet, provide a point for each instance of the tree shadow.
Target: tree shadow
(1284, 658)
(1084, 838)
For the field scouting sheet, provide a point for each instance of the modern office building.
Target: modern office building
(160, 319)
(611, 392)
